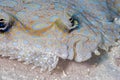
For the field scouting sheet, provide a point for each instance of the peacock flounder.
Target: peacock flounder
(42, 31)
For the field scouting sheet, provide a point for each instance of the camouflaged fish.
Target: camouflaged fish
(42, 31)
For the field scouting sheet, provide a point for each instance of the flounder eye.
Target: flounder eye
(75, 24)
(6, 21)
(2, 24)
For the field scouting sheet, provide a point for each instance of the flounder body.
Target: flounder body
(44, 31)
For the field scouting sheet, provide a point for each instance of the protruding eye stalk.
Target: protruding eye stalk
(6, 22)
(68, 25)
(2, 24)
(5, 27)
(75, 24)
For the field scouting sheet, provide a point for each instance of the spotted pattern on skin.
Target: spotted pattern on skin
(8, 3)
(41, 34)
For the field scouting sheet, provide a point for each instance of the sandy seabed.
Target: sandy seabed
(97, 68)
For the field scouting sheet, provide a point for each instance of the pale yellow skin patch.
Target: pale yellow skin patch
(57, 25)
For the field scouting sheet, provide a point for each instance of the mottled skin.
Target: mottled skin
(35, 39)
